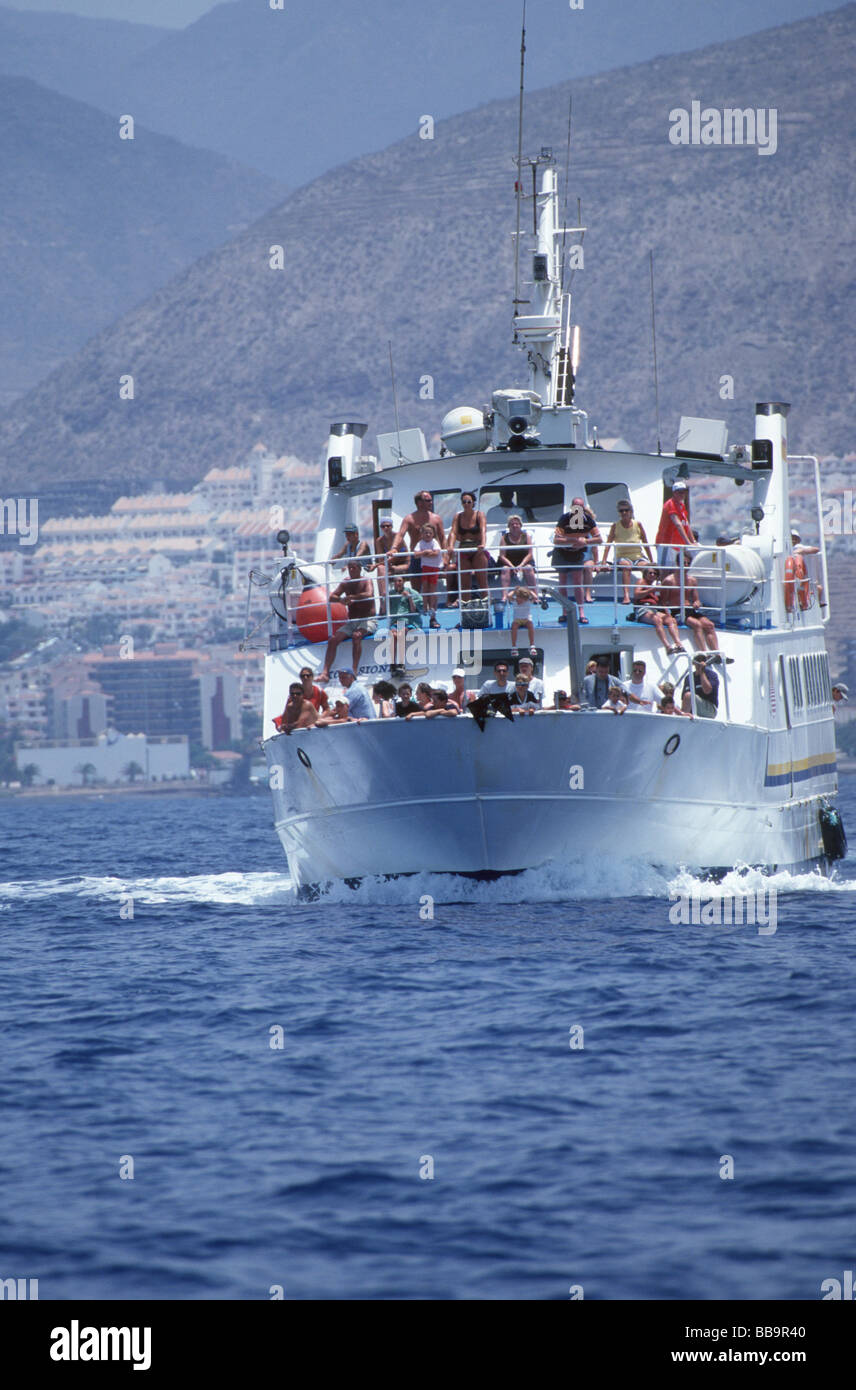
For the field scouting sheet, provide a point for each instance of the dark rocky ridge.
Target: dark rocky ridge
(754, 263)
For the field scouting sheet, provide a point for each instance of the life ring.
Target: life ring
(312, 612)
(672, 745)
(802, 584)
(789, 584)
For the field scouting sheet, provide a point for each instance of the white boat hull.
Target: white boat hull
(390, 797)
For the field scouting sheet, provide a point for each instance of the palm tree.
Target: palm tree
(29, 773)
(87, 772)
(132, 771)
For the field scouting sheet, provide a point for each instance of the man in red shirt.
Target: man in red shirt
(674, 529)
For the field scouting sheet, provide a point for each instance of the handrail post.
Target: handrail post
(721, 555)
(615, 586)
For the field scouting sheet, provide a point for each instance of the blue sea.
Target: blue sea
(352, 1099)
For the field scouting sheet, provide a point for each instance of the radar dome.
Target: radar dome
(463, 430)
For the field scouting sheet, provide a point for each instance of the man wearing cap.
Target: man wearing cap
(456, 690)
(839, 694)
(800, 549)
(390, 565)
(338, 712)
(359, 702)
(526, 667)
(674, 529)
(354, 548)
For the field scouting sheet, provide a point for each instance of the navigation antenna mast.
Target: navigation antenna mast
(654, 342)
(394, 399)
(565, 208)
(518, 187)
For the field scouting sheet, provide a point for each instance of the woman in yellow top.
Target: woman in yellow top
(631, 545)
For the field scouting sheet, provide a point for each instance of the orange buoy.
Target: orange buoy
(312, 615)
(789, 583)
(802, 585)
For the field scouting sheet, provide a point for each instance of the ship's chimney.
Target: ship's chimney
(344, 446)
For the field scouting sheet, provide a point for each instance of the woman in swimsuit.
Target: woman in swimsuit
(467, 536)
(631, 545)
(649, 609)
(516, 559)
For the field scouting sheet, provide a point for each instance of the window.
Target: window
(603, 499)
(532, 502)
(796, 682)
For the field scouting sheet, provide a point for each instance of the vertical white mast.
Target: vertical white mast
(545, 331)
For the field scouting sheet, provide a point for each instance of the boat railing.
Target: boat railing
(303, 594)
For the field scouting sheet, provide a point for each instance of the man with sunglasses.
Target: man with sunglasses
(500, 685)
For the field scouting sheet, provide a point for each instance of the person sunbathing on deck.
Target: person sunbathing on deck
(702, 629)
(651, 609)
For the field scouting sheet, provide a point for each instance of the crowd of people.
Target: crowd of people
(514, 694)
(412, 563)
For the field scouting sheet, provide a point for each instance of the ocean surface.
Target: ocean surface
(409, 1044)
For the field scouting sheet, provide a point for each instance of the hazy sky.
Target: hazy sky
(172, 13)
(178, 13)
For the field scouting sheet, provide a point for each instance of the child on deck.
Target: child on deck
(430, 554)
(522, 617)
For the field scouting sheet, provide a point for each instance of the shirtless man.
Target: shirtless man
(358, 596)
(299, 713)
(411, 528)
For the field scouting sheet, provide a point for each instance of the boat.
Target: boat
(753, 786)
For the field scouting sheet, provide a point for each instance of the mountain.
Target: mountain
(298, 90)
(91, 224)
(68, 53)
(753, 257)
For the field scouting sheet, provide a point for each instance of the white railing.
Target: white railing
(327, 575)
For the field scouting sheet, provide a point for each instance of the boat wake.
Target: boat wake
(234, 889)
(552, 883)
(570, 882)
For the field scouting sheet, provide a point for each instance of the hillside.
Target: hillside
(754, 265)
(90, 224)
(70, 53)
(299, 90)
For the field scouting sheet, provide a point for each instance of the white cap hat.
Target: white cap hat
(459, 671)
(679, 485)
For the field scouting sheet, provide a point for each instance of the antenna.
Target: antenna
(654, 342)
(518, 189)
(394, 399)
(565, 210)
